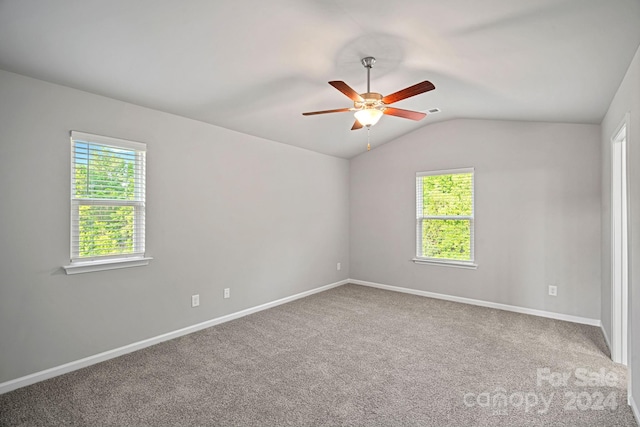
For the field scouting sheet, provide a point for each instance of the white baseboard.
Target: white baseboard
(110, 354)
(506, 307)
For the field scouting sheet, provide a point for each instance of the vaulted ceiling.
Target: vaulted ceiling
(254, 66)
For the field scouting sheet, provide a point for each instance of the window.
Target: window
(444, 217)
(107, 203)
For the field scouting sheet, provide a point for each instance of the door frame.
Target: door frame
(619, 244)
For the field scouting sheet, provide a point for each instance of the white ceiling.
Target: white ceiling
(255, 65)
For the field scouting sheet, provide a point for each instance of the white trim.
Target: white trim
(105, 264)
(421, 217)
(446, 172)
(446, 263)
(481, 303)
(619, 246)
(448, 217)
(623, 125)
(110, 354)
(108, 140)
(107, 202)
(77, 202)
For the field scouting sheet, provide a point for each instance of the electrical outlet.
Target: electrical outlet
(227, 293)
(553, 290)
(338, 267)
(195, 300)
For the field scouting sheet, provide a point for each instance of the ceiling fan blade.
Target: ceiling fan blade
(405, 114)
(414, 90)
(338, 110)
(346, 89)
(356, 125)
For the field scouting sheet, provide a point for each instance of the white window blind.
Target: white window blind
(445, 216)
(107, 198)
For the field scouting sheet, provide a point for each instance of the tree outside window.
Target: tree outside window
(445, 215)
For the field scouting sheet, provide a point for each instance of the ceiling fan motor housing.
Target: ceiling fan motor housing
(371, 100)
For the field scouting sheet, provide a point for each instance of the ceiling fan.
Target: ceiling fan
(370, 106)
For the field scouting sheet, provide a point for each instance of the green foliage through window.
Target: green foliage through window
(445, 216)
(107, 200)
(105, 230)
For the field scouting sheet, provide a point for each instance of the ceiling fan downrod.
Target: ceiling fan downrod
(368, 64)
(369, 107)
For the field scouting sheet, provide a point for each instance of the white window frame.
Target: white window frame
(420, 218)
(98, 263)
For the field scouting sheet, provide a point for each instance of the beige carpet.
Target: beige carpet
(348, 356)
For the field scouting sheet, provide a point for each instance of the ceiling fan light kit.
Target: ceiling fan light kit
(370, 106)
(368, 116)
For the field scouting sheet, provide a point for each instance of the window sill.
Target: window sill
(100, 265)
(443, 263)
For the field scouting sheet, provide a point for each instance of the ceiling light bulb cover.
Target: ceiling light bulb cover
(368, 116)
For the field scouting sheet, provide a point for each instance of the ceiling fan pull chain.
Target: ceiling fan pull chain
(368, 144)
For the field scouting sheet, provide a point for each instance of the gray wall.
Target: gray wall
(224, 209)
(627, 100)
(270, 220)
(537, 212)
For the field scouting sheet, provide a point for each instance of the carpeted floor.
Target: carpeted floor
(348, 356)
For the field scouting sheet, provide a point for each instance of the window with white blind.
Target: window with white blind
(107, 203)
(445, 217)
